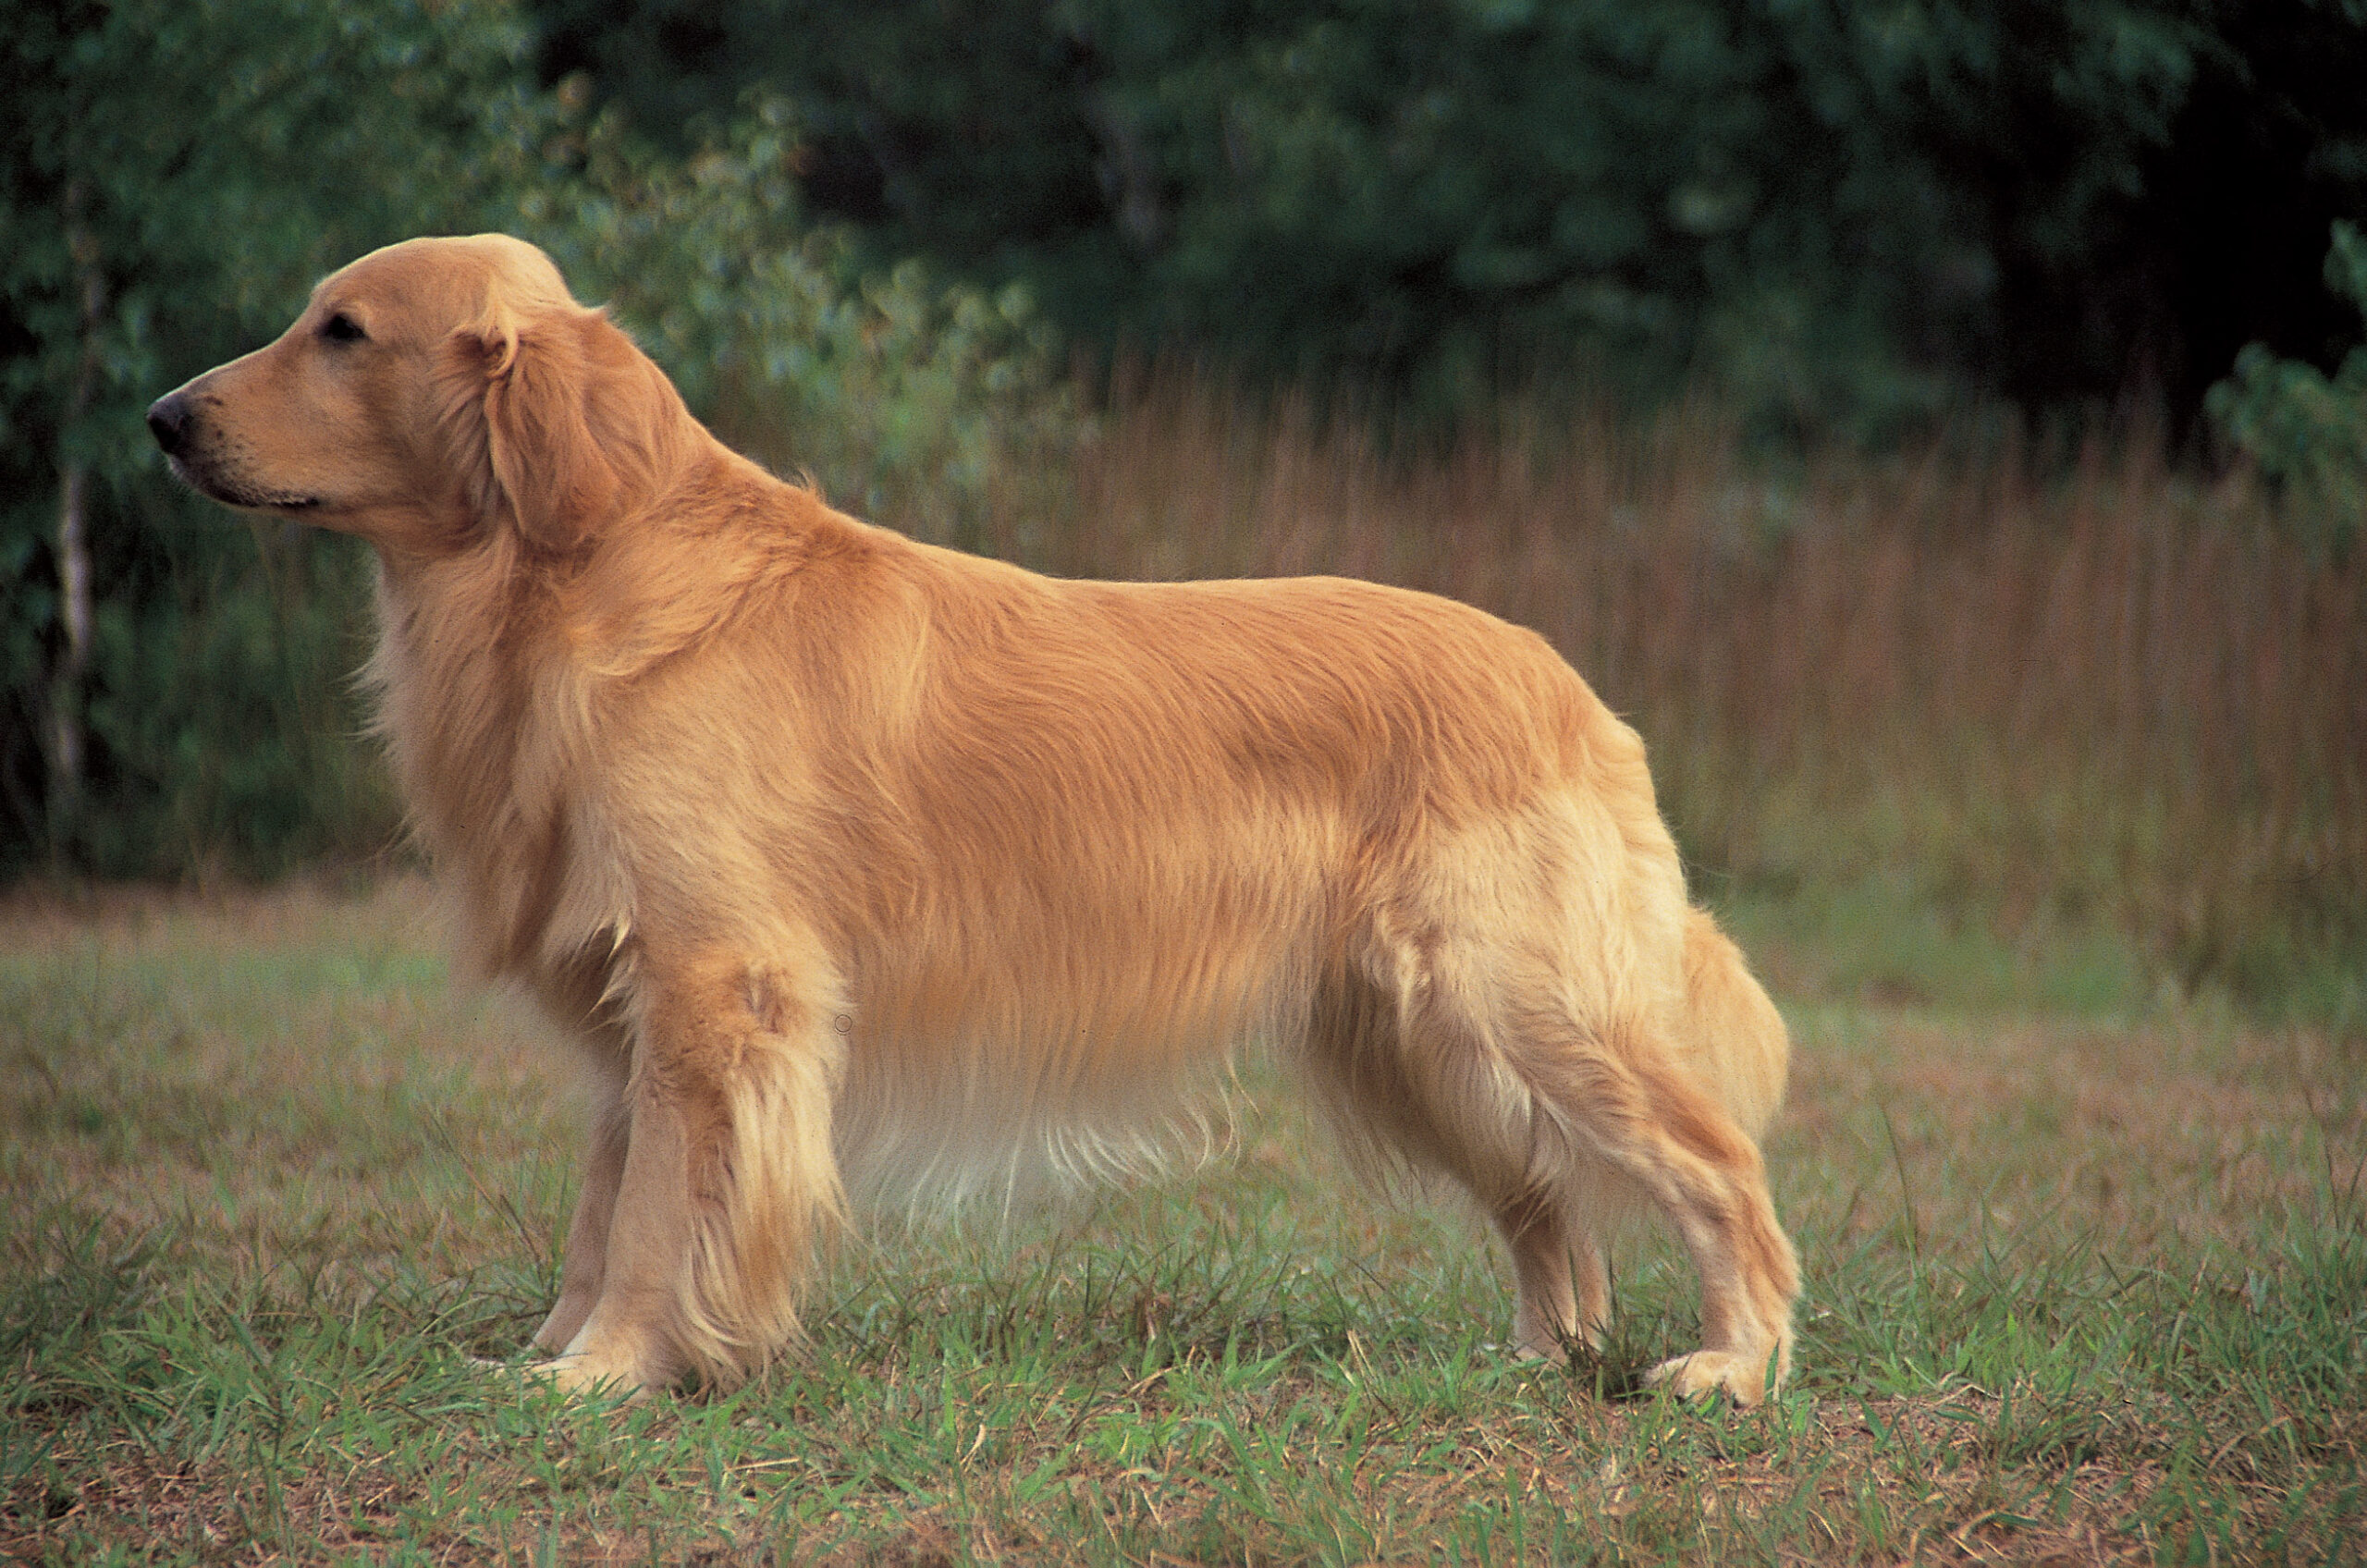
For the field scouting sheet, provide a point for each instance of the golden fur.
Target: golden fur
(852, 861)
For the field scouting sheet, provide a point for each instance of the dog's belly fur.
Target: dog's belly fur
(1151, 896)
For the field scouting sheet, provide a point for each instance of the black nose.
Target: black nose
(168, 422)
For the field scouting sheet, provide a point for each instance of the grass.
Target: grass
(2083, 1286)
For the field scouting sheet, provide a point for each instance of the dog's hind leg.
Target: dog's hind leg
(728, 1182)
(1404, 1077)
(1624, 1101)
(1563, 1282)
(1531, 1109)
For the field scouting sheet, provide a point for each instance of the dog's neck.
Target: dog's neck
(493, 662)
(476, 732)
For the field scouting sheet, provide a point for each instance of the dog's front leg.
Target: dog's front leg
(726, 1180)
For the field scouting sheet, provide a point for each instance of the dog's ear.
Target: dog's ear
(521, 391)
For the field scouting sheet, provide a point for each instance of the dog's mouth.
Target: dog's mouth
(237, 493)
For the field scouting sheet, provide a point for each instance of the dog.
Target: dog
(849, 861)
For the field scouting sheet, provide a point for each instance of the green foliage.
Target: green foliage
(186, 171)
(1846, 215)
(2304, 428)
(904, 399)
(182, 174)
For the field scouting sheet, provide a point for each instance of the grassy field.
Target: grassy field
(2082, 1286)
(2032, 784)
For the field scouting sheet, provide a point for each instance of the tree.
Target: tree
(172, 688)
(2308, 431)
(1845, 214)
(181, 175)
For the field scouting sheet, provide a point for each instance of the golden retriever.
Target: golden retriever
(854, 862)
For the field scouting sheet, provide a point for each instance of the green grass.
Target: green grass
(2086, 1283)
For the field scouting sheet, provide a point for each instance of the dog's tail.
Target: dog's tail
(1731, 1038)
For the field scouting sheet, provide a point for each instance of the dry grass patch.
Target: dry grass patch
(2075, 699)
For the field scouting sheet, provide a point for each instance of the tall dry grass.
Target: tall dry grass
(2034, 695)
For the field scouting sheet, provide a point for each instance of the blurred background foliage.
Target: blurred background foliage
(2308, 431)
(1922, 289)
(1843, 213)
(190, 170)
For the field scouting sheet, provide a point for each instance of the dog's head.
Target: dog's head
(429, 392)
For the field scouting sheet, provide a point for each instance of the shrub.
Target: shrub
(2308, 431)
(905, 399)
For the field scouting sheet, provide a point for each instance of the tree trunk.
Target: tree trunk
(74, 612)
(66, 755)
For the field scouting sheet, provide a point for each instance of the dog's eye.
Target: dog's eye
(342, 328)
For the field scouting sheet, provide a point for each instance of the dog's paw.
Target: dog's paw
(589, 1377)
(1740, 1378)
